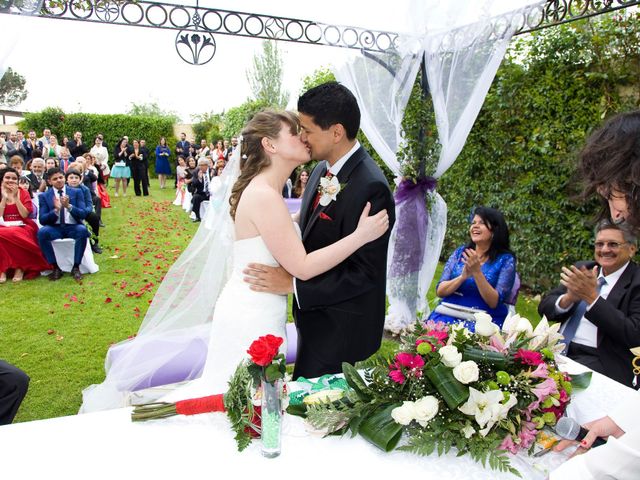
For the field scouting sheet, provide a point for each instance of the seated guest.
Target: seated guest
(36, 177)
(13, 388)
(481, 273)
(599, 305)
(17, 164)
(200, 185)
(62, 211)
(19, 249)
(65, 159)
(74, 179)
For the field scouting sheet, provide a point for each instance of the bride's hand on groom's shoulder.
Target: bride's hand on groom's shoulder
(264, 278)
(371, 227)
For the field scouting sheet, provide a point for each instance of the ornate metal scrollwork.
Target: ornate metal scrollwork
(197, 25)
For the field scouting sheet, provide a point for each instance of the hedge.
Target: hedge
(550, 92)
(113, 127)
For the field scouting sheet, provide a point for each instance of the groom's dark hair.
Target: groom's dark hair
(331, 103)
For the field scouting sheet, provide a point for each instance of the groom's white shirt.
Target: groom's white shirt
(335, 169)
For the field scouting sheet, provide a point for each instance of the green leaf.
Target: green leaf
(273, 373)
(581, 380)
(355, 381)
(496, 359)
(453, 392)
(382, 430)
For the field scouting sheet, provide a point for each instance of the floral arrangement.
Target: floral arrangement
(241, 402)
(487, 393)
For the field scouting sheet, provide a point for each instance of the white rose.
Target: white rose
(450, 356)
(484, 324)
(466, 372)
(403, 414)
(425, 409)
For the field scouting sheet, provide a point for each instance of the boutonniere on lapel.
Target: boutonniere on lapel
(329, 189)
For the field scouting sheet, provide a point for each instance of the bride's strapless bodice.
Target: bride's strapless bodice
(251, 250)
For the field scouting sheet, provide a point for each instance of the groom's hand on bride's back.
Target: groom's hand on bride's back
(264, 278)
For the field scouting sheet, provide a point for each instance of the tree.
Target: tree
(151, 110)
(236, 118)
(12, 88)
(265, 77)
(205, 126)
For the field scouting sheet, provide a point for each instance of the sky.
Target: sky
(98, 68)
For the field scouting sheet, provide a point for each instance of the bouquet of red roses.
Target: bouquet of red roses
(238, 402)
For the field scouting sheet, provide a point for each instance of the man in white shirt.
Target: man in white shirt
(599, 305)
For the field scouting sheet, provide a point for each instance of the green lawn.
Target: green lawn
(59, 332)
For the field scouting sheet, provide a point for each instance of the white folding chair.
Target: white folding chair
(63, 249)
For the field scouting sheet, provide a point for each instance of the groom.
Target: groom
(339, 314)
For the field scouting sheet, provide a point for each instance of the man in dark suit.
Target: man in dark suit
(144, 150)
(36, 176)
(599, 305)
(13, 388)
(200, 184)
(31, 144)
(62, 211)
(339, 314)
(77, 147)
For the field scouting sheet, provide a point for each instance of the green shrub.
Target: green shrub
(553, 88)
(113, 127)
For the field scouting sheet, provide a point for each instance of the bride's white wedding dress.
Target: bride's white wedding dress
(241, 316)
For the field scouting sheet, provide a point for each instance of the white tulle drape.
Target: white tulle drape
(13, 28)
(462, 43)
(171, 344)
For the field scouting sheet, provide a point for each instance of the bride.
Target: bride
(180, 339)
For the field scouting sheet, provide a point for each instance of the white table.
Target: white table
(107, 445)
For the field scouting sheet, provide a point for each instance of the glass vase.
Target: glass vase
(271, 430)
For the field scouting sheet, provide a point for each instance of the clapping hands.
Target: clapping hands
(581, 283)
(472, 263)
(10, 191)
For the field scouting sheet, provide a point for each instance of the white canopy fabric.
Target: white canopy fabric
(462, 44)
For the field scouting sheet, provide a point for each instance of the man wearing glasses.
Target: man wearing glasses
(598, 304)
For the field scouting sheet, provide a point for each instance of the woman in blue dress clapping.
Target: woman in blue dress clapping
(162, 162)
(480, 274)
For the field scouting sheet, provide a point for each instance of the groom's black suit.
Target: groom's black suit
(340, 314)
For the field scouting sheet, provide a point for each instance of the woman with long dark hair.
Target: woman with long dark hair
(609, 165)
(480, 274)
(19, 249)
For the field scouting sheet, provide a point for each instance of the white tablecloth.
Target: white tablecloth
(107, 445)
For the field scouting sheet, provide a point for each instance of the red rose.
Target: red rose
(264, 349)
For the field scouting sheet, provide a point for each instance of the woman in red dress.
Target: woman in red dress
(19, 249)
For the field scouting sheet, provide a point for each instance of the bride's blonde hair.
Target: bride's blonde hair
(254, 159)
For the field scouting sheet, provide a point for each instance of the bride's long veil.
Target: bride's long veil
(171, 344)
